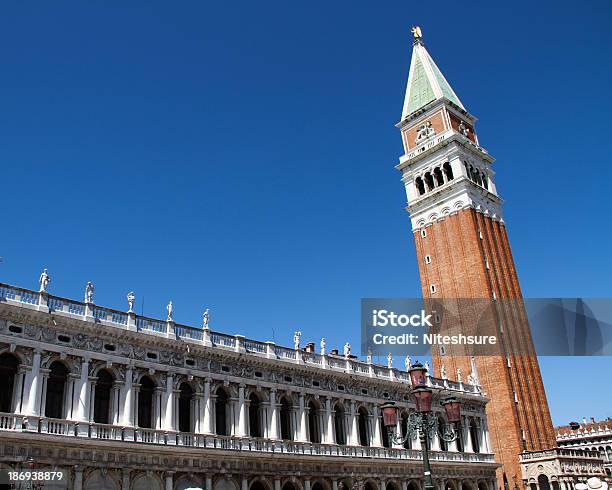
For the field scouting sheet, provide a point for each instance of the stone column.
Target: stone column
(208, 482)
(78, 478)
(354, 433)
(33, 386)
(207, 427)
(17, 406)
(334, 484)
(126, 399)
(115, 406)
(375, 420)
(468, 448)
(241, 412)
(169, 480)
(245, 483)
(435, 442)
(273, 422)
(168, 403)
(404, 485)
(306, 483)
(277, 485)
(398, 432)
(81, 410)
(125, 479)
(301, 435)
(486, 439)
(383, 485)
(329, 423)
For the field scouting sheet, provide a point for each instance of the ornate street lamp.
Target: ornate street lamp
(423, 422)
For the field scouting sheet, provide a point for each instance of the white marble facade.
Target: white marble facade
(122, 401)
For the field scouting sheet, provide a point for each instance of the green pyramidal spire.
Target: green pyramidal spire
(425, 80)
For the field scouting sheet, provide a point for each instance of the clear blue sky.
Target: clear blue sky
(241, 156)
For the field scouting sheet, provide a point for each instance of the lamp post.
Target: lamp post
(423, 421)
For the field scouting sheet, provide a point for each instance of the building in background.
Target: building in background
(463, 252)
(590, 436)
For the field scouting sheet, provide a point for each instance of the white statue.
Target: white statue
(44, 281)
(89, 291)
(323, 344)
(169, 308)
(205, 318)
(463, 129)
(470, 379)
(459, 375)
(443, 372)
(369, 356)
(390, 360)
(427, 367)
(296, 339)
(347, 349)
(131, 297)
(474, 373)
(416, 32)
(425, 131)
(407, 363)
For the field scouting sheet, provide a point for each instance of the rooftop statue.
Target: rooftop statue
(44, 281)
(131, 297)
(89, 292)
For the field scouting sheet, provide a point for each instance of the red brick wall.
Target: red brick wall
(458, 269)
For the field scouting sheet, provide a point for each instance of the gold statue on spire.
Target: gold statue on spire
(416, 32)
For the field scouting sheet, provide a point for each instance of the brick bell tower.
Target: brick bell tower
(463, 252)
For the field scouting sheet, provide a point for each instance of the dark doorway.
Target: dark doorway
(221, 424)
(102, 397)
(364, 437)
(285, 419)
(56, 386)
(8, 370)
(254, 417)
(185, 397)
(145, 403)
(339, 416)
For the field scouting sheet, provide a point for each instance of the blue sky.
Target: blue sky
(241, 156)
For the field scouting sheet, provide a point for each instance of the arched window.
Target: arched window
(412, 485)
(221, 409)
(8, 370)
(420, 185)
(184, 410)
(448, 171)
(442, 430)
(339, 429)
(314, 427)
(288, 486)
(404, 427)
(102, 397)
(364, 436)
(429, 181)
(255, 416)
(56, 388)
(317, 486)
(285, 420)
(145, 403)
(474, 436)
(438, 176)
